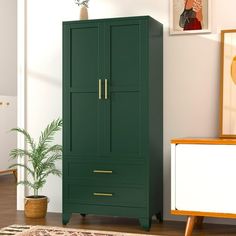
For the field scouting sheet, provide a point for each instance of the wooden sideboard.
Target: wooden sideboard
(203, 179)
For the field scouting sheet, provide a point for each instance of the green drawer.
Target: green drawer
(106, 195)
(100, 173)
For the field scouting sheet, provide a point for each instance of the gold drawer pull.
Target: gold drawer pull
(103, 171)
(103, 194)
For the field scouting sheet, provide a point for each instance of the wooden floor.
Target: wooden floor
(8, 216)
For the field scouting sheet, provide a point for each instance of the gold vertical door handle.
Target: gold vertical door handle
(105, 88)
(99, 89)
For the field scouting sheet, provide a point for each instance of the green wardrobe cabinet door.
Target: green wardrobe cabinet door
(124, 56)
(82, 107)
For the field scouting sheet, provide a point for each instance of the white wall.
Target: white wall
(7, 122)
(191, 72)
(8, 82)
(8, 47)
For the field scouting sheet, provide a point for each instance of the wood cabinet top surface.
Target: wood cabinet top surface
(203, 141)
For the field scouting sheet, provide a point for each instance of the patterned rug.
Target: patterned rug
(28, 230)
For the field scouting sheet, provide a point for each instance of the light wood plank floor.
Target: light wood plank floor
(8, 216)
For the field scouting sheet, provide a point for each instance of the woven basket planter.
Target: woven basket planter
(36, 207)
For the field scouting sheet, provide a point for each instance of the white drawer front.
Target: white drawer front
(205, 178)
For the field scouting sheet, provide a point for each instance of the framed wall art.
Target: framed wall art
(190, 16)
(228, 84)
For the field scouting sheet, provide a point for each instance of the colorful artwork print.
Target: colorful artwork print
(189, 16)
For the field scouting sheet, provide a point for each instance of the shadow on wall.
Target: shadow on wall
(8, 120)
(107, 8)
(55, 81)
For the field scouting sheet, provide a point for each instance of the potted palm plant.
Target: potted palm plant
(40, 157)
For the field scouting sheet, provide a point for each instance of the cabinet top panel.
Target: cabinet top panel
(203, 141)
(110, 19)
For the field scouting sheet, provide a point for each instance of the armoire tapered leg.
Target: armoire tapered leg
(189, 226)
(65, 218)
(145, 223)
(159, 217)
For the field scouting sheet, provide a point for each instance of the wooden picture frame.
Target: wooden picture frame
(227, 115)
(177, 8)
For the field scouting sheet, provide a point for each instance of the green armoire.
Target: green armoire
(113, 118)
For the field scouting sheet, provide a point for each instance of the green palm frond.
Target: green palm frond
(49, 163)
(54, 157)
(28, 138)
(22, 165)
(39, 184)
(43, 167)
(17, 152)
(26, 183)
(54, 172)
(48, 133)
(55, 148)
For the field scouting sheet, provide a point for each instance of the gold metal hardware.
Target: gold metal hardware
(103, 194)
(105, 88)
(102, 171)
(100, 89)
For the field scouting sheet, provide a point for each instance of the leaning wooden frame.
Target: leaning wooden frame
(227, 116)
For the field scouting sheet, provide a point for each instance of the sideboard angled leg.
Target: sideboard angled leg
(189, 226)
(199, 221)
